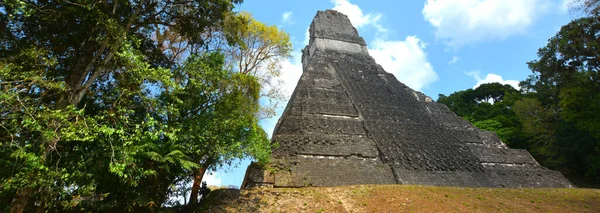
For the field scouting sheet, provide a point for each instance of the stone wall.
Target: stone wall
(350, 122)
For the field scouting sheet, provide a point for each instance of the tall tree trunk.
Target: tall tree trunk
(19, 203)
(197, 183)
(192, 203)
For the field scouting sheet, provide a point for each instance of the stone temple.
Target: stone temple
(351, 122)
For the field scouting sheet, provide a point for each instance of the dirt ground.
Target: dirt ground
(402, 198)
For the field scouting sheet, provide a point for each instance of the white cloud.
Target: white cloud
(356, 15)
(286, 18)
(291, 70)
(454, 60)
(212, 179)
(491, 78)
(306, 37)
(564, 5)
(459, 22)
(406, 59)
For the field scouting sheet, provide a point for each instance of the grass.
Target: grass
(402, 198)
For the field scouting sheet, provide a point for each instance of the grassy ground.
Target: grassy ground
(402, 198)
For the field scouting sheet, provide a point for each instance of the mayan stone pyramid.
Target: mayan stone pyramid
(351, 122)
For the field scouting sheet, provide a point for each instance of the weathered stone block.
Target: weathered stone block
(257, 176)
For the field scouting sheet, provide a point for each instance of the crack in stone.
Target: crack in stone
(506, 164)
(340, 116)
(337, 157)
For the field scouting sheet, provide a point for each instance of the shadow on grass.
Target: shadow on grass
(231, 200)
(584, 183)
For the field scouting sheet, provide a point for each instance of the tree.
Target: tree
(492, 92)
(536, 121)
(566, 75)
(259, 53)
(216, 113)
(565, 81)
(489, 107)
(462, 103)
(67, 158)
(589, 7)
(89, 105)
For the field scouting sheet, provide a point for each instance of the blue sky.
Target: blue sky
(434, 46)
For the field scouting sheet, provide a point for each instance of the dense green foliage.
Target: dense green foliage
(109, 105)
(489, 107)
(556, 115)
(564, 90)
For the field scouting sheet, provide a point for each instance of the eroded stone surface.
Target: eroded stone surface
(350, 122)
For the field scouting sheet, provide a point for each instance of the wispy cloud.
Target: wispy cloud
(287, 18)
(454, 60)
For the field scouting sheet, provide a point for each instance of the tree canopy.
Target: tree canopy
(488, 107)
(108, 105)
(259, 52)
(565, 85)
